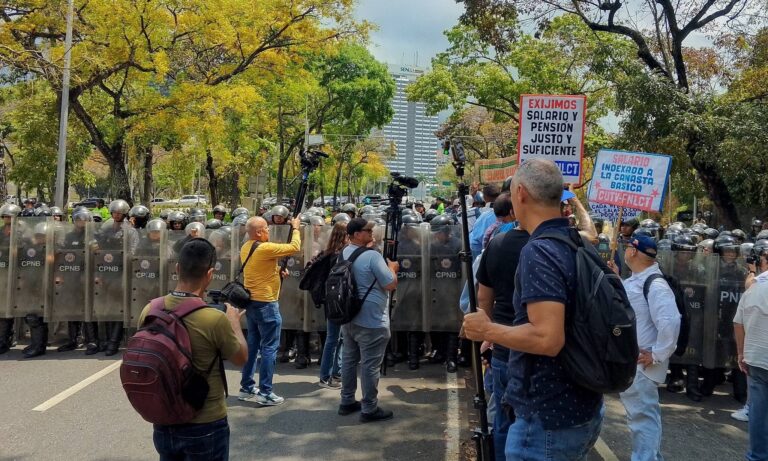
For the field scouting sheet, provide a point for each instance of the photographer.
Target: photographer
(211, 333)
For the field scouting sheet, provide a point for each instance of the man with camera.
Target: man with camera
(211, 334)
(262, 277)
(750, 326)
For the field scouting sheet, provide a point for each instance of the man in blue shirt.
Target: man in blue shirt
(490, 194)
(367, 335)
(555, 418)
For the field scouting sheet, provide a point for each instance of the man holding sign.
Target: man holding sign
(552, 127)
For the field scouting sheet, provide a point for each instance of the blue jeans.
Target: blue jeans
(364, 346)
(330, 363)
(641, 401)
(758, 414)
(193, 442)
(527, 440)
(501, 420)
(264, 324)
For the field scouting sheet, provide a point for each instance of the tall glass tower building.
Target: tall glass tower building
(411, 129)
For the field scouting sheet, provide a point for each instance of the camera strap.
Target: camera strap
(254, 245)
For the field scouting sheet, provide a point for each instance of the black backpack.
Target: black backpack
(685, 318)
(601, 350)
(341, 301)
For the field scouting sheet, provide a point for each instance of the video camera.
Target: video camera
(399, 186)
(217, 300)
(310, 159)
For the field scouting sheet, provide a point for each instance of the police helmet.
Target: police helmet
(430, 215)
(760, 248)
(239, 211)
(164, 214)
(683, 242)
(698, 228)
(240, 220)
(156, 224)
(726, 243)
(632, 222)
(280, 210)
(349, 208)
(410, 220)
(41, 228)
(196, 228)
(82, 214)
(304, 218)
(139, 211)
(197, 215)
(341, 217)
(706, 244)
(644, 231)
(119, 206)
(318, 211)
(746, 248)
(380, 221)
(440, 223)
(219, 209)
(9, 209)
(740, 235)
(676, 226)
(42, 210)
(672, 234)
(711, 233)
(649, 224)
(177, 217)
(367, 209)
(664, 245)
(762, 235)
(213, 224)
(316, 221)
(756, 223)
(56, 211)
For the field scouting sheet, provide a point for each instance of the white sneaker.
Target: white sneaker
(741, 415)
(245, 396)
(268, 400)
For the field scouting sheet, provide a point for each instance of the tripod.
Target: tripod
(482, 436)
(391, 230)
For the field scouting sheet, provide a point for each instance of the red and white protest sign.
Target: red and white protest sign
(630, 179)
(552, 127)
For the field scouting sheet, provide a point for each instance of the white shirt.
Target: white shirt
(753, 314)
(658, 321)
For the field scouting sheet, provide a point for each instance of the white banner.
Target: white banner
(552, 127)
(630, 179)
(611, 212)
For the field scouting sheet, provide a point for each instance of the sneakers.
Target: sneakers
(348, 409)
(268, 400)
(378, 415)
(330, 383)
(741, 415)
(245, 396)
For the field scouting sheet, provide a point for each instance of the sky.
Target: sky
(408, 28)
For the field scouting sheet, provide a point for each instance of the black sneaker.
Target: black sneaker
(378, 415)
(348, 409)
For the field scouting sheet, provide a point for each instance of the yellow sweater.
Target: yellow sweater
(262, 274)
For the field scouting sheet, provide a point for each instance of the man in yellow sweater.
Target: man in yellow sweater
(261, 276)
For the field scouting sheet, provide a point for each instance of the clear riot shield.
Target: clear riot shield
(173, 244)
(730, 286)
(146, 270)
(696, 274)
(226, 251)
(293, 302)
(445, 278)
(408, 313)
(314, 318)
(109, 286)
(69, 272)
(5, 266)
(29, 271)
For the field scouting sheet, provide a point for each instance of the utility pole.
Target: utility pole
(64, 115)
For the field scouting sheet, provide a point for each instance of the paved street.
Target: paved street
(432, 418)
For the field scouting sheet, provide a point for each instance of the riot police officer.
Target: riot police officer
(38, 328)
(177, 220)
(341, 217)
(57, 214)
(197, 215)
(76, 239)
(350, 209)
(139, 216)
(757, 226)
(239, 211)
(279, 214)
(29, 208)
(164, 215)
(213, 224)
(219, 212)
(7, 213)
(445, 344)
(150, 243)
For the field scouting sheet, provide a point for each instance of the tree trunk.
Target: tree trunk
(234, 197)
(121, 188)
(213, 182)
(716, 188)
(146, 195)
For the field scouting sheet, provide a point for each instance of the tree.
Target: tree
(660, 48)
(129, 58)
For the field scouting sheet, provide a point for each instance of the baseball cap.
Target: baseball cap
(567, 195)
(644, 244)
(359, 224)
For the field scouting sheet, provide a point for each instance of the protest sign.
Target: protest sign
(495, 171)
(630, 179)
(610, 213)
(552, 127)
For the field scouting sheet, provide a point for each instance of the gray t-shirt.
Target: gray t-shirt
(368, 268)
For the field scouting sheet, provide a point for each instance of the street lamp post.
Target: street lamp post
(64, 115)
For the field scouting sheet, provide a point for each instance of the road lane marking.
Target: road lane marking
(604, 451)
(452, 427)
(61, 396)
